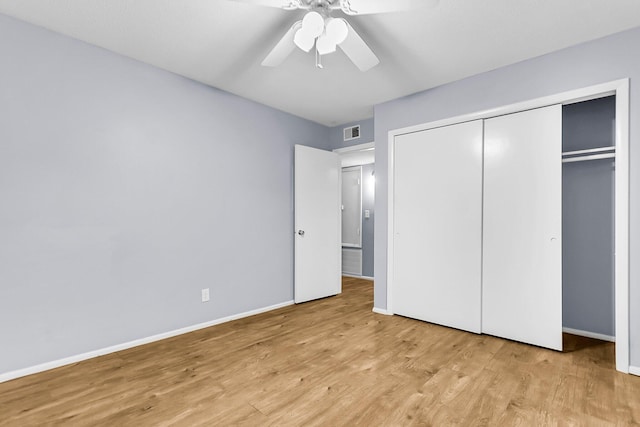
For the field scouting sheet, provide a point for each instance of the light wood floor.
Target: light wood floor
(331, 362)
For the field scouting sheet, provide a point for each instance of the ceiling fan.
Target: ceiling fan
(320, 30)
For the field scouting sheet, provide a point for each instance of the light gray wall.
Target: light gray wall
(366, 134)
(602, 60)
(368, 202)
(587, 219)
(124, 191)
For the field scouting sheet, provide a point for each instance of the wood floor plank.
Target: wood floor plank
(331, 362)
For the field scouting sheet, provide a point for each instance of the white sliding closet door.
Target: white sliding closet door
(438, 224)
(522, 250)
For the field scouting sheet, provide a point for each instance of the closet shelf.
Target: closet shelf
(589, 154)
(585, 158)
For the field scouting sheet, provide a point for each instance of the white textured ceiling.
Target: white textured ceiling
(221, 43)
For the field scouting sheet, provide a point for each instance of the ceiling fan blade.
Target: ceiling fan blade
(283, 49)
(364, 7)
(280, 4)
(358, 51)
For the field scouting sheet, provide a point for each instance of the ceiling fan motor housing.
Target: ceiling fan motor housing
(318, 28)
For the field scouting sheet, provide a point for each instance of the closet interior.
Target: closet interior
(588, 166)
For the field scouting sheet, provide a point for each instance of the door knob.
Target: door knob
(301, 232)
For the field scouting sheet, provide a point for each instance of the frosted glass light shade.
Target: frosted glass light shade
(337, 30)
(313, 24)
(325, 45)
(303, 40)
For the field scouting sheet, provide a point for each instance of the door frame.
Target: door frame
(359, 147)
(619, 88)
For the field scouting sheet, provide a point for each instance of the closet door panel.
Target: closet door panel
(522, 227)
(437, 225)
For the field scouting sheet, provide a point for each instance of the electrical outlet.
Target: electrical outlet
(205, 295)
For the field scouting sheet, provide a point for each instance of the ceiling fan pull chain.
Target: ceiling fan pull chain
(318, 59)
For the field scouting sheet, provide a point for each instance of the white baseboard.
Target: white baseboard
(6, 376)
(589, 334)
(381, 311)
(634, 370)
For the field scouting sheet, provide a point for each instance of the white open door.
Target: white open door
(522, 251)
(317, 224)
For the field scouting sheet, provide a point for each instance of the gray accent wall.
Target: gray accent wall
(587, 219)
(124, 191)
(610, 58)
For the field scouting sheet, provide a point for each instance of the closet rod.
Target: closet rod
(592, 157)
(591, 150)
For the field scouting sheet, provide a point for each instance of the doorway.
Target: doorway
(358, 196)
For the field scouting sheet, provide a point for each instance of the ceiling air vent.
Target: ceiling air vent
(352, 132)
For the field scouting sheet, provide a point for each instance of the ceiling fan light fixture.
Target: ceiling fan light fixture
(313, 24)
(337, 30)
(325, 45)
(303, 40)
